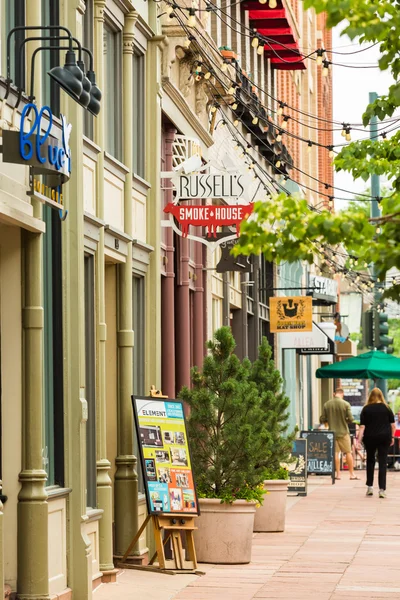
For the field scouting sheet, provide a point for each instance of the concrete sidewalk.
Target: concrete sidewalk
(338, 544)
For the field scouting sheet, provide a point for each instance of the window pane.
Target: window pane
(15, 17)
(112, 100)
(90, 382)
(50, 58)
(138, 100)
(87, 30)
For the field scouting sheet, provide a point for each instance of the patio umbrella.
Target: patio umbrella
(371, 365)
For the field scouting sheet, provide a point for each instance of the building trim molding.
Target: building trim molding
(179, 101)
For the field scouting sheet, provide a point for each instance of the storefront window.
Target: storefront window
(138, 355)
(90, 381)
(53, 427)
(112, 99)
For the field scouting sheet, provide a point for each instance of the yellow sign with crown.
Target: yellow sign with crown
(288, 314)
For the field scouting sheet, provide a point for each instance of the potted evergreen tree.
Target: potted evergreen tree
(230, 448)
(271, 515)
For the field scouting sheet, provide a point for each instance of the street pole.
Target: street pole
(376, 212)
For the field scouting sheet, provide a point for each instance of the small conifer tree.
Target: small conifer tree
(231, 435)
(275, 405)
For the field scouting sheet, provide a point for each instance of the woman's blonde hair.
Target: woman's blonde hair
(376, 396)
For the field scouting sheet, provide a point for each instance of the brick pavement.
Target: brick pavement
(338, 544)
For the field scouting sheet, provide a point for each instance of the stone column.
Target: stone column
(182, 328)
(104, 484)
(126, 484)
(33, 576)
(168, 287)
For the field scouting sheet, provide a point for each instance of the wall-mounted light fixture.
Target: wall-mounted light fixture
(71, 77)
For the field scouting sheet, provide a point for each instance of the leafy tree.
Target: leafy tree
(286, 228)
(231, 438)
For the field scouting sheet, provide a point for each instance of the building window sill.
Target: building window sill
(115, 167)
(55, 491)
(93, 514)
(140, 185)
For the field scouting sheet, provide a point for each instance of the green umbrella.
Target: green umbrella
(371, 365)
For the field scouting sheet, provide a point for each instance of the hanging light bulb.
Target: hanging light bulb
(272, 3)
(278, 164)
(320, 56)
(344, 127)
(242, 154)
(169, 10)
(198, 77)
(231, 90)
(237, 147)
(348, 135)
(280, 109)
(207, 75)
(199, 67)
(285, 122)
(234, 106)
(255, 41)
(236, 122)
(309, 147)
(191, 22)
(224, 67)
(262, 1)
(325, 70)
(213, 109)
(255, 120)
(260, 49)
(279, 137)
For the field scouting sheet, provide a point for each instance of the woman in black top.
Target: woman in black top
(377, 432)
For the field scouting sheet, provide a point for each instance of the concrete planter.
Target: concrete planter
(225, 531)
(271, 515)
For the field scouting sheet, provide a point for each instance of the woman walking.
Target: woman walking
(377, 429)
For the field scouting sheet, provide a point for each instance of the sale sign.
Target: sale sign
(165, 457)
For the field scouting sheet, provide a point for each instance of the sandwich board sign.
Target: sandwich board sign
(165, 457)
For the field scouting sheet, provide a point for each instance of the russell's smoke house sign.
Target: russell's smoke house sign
(207, 189)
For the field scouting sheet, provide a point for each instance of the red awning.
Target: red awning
(276, 24)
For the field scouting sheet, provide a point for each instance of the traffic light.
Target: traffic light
(367, 323)
(381, 329)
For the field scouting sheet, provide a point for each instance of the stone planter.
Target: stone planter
(225, 531)
(271, 515)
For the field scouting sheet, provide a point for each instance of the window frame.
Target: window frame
(15, 11)
(139, 114)
(138, 326)
(114, 83)
(88, 42)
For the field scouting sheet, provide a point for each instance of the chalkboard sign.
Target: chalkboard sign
(298, 468)
(320, 452)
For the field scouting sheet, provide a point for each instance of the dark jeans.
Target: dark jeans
(381, 445)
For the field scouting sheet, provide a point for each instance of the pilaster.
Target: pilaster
(126, 484)
(104, 483)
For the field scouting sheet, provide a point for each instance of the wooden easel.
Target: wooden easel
(173, 525)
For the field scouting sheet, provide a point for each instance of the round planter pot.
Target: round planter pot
(225, 531)
(271, 515)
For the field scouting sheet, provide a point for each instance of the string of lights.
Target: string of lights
(309, 115)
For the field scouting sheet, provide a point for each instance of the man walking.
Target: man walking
(337, 414)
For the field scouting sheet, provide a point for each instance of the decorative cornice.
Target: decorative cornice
(180, 102)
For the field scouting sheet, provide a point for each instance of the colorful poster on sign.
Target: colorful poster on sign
(290, 314)
(165, 456)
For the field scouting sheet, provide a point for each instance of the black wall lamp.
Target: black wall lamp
(71, 77)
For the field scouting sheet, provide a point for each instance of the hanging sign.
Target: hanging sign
(324, 289)
(208, 216)
(298, 468)
(165, 457)
(290, 314)
(229, 262)
(33, 145)
(212, 185)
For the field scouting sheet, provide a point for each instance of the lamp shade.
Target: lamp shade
(84, 98)
(95, 95)
(69, 77)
